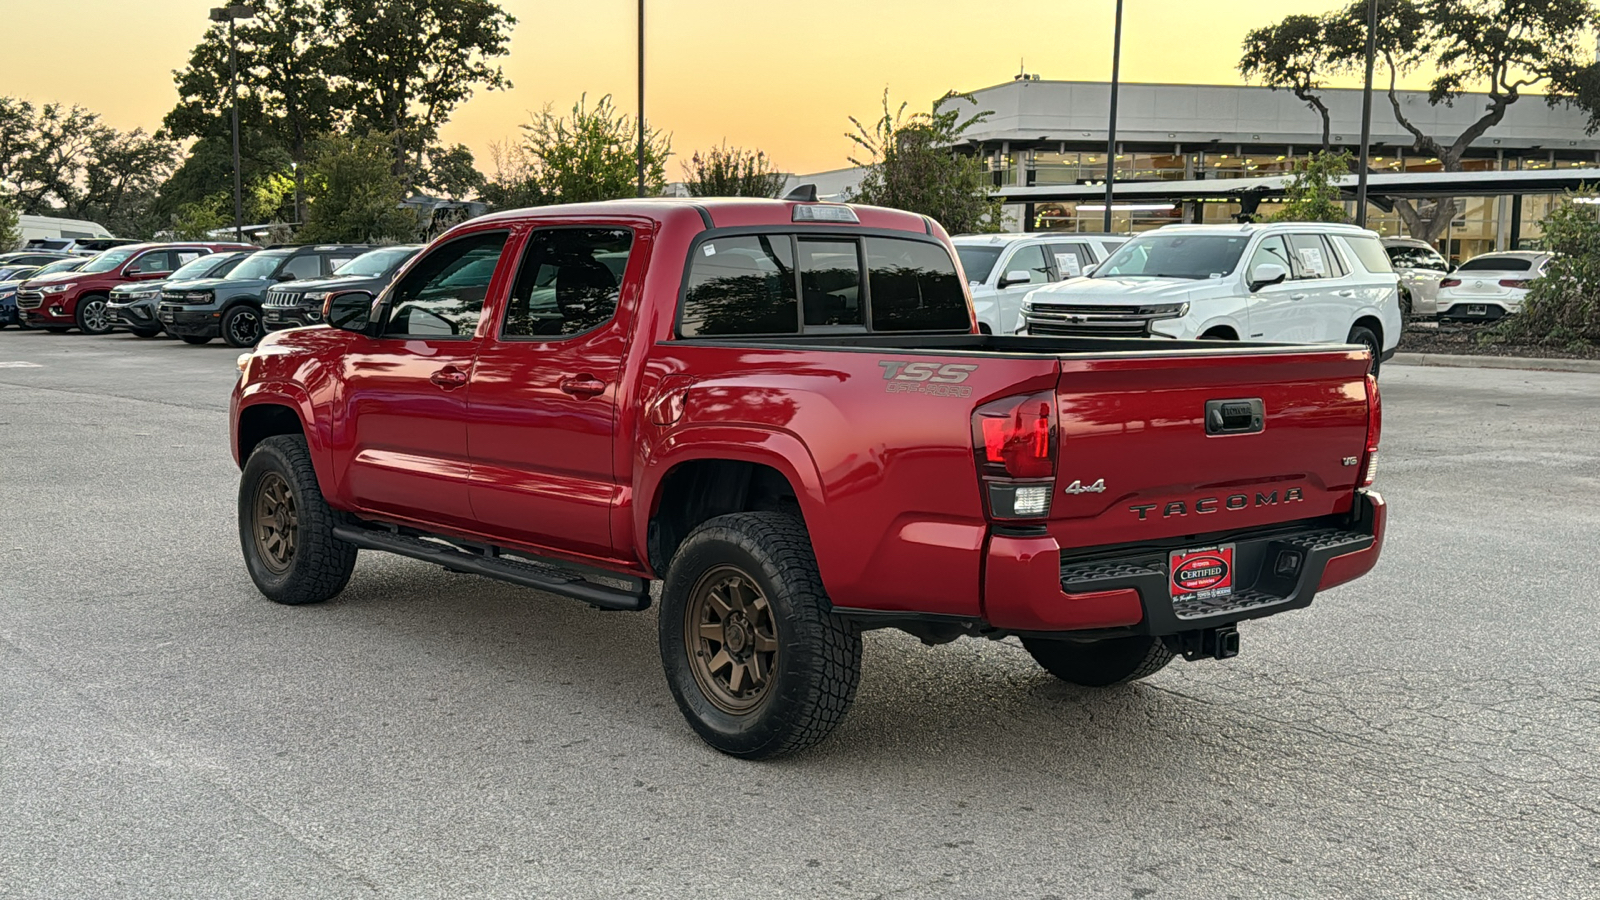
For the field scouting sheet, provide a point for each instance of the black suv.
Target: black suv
(297, 303)
(230, 307)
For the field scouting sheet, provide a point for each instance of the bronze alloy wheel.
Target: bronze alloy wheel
(731, 638)
(276, 521)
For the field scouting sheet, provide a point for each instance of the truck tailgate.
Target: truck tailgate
(1138, 461)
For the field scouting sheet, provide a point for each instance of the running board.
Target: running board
(491, 564)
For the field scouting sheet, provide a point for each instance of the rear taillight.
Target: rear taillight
(1369, 460)
(1014, 443)
(1450, 282)
(1518, 283)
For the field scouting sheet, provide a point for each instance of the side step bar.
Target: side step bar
(492, 565)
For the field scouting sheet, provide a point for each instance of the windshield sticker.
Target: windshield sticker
(710, 249)
(1068, 263)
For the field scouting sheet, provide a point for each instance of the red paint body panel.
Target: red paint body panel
(885, 478)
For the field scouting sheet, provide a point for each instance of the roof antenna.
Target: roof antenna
(804, 193)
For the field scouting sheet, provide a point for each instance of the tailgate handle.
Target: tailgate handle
(1234, 416)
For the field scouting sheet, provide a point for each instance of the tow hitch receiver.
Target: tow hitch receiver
(1221, 642)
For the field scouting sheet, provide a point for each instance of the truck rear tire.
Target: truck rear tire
(1100, 663)
(286, 526)
(755, 657)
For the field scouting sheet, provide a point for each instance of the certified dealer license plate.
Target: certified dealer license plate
(1201, 574)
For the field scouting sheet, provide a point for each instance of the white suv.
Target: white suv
(1296, 282)
(1002, 268)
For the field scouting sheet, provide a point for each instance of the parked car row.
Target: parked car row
(196, 291)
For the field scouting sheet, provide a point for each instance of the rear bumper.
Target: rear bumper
(1027, 587)
(1475, 311)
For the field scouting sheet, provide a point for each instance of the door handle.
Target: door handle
(1297, 296)
(449, 378)
(1347, 293)
(583, 386)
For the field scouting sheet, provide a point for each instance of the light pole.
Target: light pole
(230, 14)
(641, 98)
(1111, 129)
(1366, 116)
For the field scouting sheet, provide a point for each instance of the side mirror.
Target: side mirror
(1267, 274)
(1089, 269)
(286, 276)
(348, 310)
(1015, 276)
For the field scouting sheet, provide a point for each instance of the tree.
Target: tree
(1563, 304)
(410, 63)
(911, 164)
(1501, 47)
(1312, 195)
(590, 154)
(59, 160)
(1291, 55)
(291, 88)
(451, 172)
(731, 172)
(513, 185)
(10, 233)
(196, 221)
(354, 195)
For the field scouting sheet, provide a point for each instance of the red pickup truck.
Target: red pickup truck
(783, 410)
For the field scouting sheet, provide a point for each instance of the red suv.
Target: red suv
(78, 299)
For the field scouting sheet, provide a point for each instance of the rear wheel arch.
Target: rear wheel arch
(695, 491)
(1373, 324)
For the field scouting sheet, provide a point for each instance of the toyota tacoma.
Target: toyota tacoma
(784, 412)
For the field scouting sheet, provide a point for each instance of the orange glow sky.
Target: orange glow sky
(781, 76)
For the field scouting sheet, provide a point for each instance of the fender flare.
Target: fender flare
(779, 450)
(294, 397)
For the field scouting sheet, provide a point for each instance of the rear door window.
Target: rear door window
(913, 286)
(830, 283)
(741, 285)
(1370, 252)
(307, 266)
(1310, 256)
(568, 283)
(1070, 259)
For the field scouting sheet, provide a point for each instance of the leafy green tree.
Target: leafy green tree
(1312, 194)
(10, 234)
(453, 173)
(731, 172)
(353, 193)
(513, 185)
(1503, 48)
(590, 154)
(911, 164)
(197, 220)
(60, 160)
(290, 90)
(1292, 55)
(410, 63)
(1563, 304)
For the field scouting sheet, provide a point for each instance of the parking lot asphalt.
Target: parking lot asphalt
(166, 732)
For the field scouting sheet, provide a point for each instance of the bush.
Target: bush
(1563, 306)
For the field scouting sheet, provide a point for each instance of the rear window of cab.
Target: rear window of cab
(778, 284)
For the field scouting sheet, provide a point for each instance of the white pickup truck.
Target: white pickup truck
(1295, 282)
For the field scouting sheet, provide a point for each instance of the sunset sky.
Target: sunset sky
(779, 76)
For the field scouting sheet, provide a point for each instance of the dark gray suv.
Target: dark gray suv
(230, 307)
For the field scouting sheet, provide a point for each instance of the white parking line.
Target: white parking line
(18, 364)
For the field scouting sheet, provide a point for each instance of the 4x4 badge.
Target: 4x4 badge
(1078, 487)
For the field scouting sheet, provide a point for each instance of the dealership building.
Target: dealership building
(1211, 153)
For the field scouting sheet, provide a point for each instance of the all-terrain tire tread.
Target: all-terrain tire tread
(819, 704)
(322, 564)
